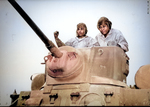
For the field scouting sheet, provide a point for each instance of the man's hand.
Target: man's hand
(56, 33)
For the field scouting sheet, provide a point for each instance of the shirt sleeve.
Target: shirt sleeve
(92, 42)
(122, 42)
(69, 42)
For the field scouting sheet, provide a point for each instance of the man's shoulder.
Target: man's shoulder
(88, 37)
(115, 30)
(71, 39)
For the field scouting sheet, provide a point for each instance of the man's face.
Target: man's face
(64, 66)
(81, 31)
(104, 29)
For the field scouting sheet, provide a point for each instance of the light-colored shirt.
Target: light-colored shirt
(82, 42)
(114, 38)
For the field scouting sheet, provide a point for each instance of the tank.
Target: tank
(83, 77)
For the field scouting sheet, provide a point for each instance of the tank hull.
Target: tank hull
(86, 94)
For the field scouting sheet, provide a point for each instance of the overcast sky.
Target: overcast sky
(22, 51)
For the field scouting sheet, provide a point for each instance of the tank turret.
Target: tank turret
(83, 77)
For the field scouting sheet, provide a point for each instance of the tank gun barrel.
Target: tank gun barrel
(49, 44)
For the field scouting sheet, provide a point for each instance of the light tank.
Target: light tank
(83, 77)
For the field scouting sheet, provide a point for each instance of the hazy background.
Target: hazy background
(22, 51)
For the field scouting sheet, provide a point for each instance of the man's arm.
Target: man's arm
(58, 41)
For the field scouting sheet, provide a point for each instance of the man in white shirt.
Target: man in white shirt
(109, 36)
